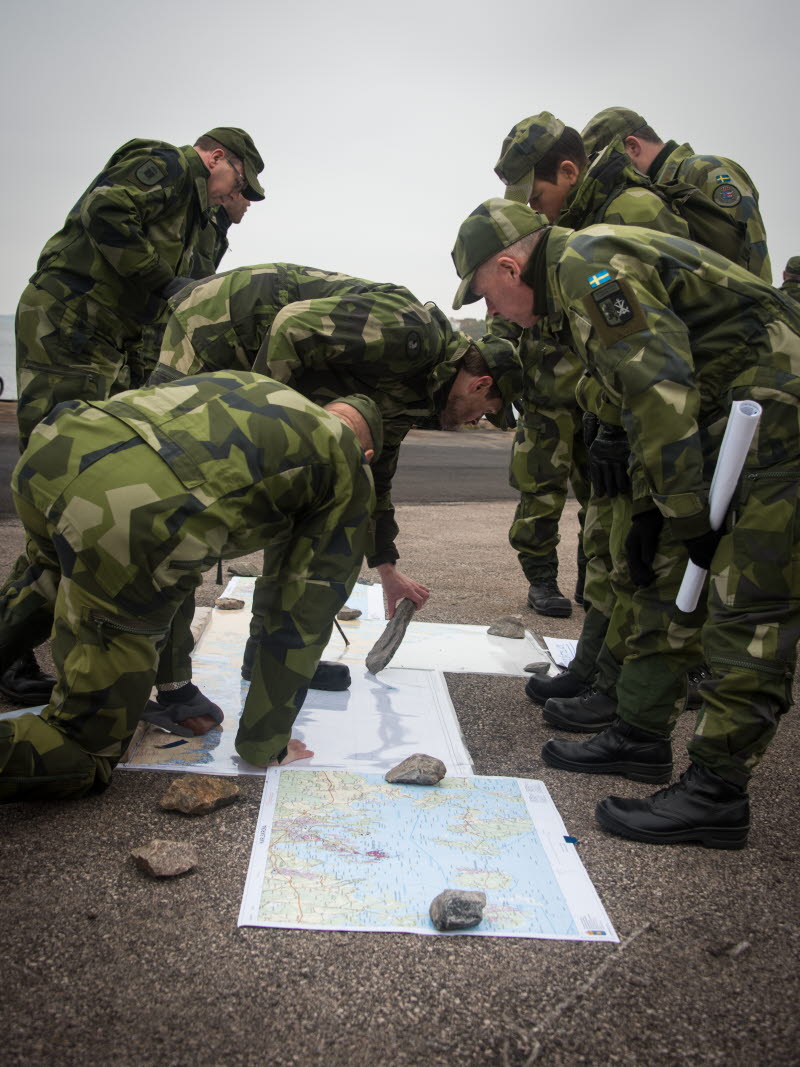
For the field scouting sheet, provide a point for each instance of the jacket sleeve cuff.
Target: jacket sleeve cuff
(693, 526)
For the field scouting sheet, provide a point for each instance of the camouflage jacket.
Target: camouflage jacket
(672, 332)
(612, 190)
(326, 335)
(727, 184)
(212, 244)
(206, 254)
(609, 190)
(132, 231)
(791, 288)
(294, 484)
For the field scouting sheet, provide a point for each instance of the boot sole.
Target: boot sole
(542, 700)
(553, 613)
(575, 727)
(651, 774)
(707, 836)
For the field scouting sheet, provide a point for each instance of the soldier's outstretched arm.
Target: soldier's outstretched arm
(312, 573)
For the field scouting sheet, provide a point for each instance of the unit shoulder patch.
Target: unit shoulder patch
(149, 173)
(726, 195)
(614, 311)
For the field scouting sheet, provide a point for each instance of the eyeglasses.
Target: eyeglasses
(241, 181)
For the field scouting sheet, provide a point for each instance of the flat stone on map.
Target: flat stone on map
(542, 666)
(165, 859)
(347, 614)
(199, 794)
(508, 626)
(418, 769)
(229, 603)
(457, 909)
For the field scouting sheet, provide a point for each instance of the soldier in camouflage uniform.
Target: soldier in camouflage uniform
(328, 335)
(791, 278)
(727, 184)
(126, 502)
(543, 163)
(128, 242)
(675, 334)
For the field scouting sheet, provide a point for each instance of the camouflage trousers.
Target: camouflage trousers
(60, 357)
(750, 617)
(672, 640)
(105, 641)
(547, 455)
(598, 593)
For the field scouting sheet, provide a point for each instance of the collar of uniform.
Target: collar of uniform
(199, 174)
(535, 274)
(660, 160)
(556, 243)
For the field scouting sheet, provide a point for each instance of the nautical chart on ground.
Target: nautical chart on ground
(345, 850)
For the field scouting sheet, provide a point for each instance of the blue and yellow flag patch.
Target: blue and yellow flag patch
(599, 279)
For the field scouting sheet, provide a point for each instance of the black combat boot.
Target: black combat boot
(541, 687)
(333, 677)
(620, 749)
(25, 683)
(546, 598)
(584, 714)
(700, 807)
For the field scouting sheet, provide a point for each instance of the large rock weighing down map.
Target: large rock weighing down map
(343, 850)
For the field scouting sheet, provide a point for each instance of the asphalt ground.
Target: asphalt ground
(102, 964)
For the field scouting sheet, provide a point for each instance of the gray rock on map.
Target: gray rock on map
(348, 614)
(418, 769)
(199, 794)
(508, 626)
(165, 859)
(388, 643)
(228, 603)
(457, 909)
(541, 666)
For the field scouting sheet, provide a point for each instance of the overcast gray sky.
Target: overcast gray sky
(379, 124)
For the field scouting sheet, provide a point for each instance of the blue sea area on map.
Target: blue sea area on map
(387, 851)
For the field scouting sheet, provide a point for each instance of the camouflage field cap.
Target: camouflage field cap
(240, 143)
(504, 366)
(793, 265)
(527, 143)
(370, 412)
(492, 226)
(606, 125)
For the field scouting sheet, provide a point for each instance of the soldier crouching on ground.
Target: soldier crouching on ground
(125, 503)
(675, 333)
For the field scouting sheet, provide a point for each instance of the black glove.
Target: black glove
(701, 549)
(174, 285)
(591, 424)
(608, 461)
(641, 545)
